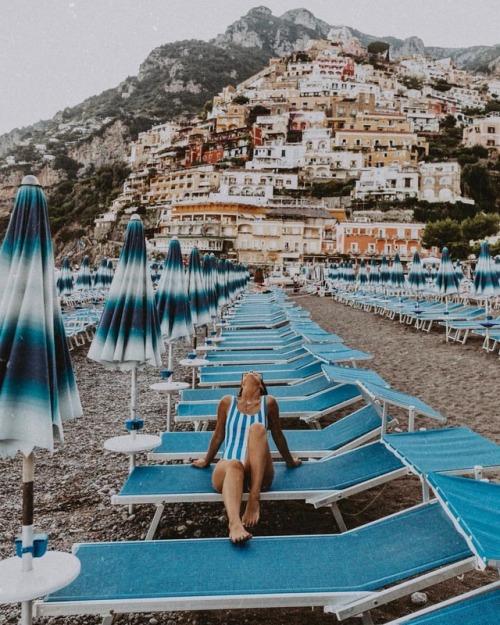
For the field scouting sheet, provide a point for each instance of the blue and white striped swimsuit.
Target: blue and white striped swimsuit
(237, 428)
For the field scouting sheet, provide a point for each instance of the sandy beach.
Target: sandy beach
(73, 486)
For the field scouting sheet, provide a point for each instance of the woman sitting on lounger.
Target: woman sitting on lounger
(242, 422)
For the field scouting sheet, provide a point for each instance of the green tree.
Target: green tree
(479, 227)
(379, 48)
(441, 233)
(477, 184)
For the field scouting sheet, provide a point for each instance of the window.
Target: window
(491, 130)
(407, 183)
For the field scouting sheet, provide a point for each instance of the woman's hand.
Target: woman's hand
(296, 462)
(200, 463)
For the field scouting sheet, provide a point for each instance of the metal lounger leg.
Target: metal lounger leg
(155, 522)
(337, 515)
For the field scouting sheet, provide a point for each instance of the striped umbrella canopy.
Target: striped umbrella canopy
(128, 336)
(416, 275)
(446, 280)
(209, 278)
(221, 283)
(84, 279)
(362, 277)
(374, 275)
(110, 272)
(497, 265)
(100, 276)
(172, 300)
(65, 282)
(333, 271)
(459, 272)
(397, 274)
(198, 298)
(37, 384)
(486, 285)
(349, 273)
(432, 272)
(384, 274)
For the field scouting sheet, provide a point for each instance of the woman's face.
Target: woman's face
(253, 378)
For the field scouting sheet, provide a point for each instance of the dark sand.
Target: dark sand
(73, 486)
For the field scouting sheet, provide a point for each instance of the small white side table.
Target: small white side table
(194, 363)
(170, 388)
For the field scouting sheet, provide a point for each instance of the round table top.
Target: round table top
(129, 444)
(194, 362)
(169, 387)
(206, 348)
(218, 339)
(51, 572)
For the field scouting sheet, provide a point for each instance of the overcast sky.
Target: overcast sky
(56, 53)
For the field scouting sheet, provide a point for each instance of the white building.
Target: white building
(387, 183)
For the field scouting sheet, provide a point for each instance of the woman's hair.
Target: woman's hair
(263, 387)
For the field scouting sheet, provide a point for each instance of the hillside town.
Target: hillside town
(241, 179)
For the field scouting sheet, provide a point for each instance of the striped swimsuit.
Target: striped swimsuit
(237, 429)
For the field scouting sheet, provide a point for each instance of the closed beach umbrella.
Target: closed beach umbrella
(172, 300)
(486, 285)
(128, 336)
(110, 272)
(198, 299)
(459, 272)
(384, 274)
(416, 275)
(446, 280)
(65, 281)
(210, 284)
(374, 275)
(100, 276)
(397, 274)
(497, 266)
(84, 279)
(221, 284)
(37, 385)
(362, 277)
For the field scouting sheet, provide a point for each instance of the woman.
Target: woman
(242, 422)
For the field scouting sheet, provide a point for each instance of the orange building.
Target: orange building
(378, 239)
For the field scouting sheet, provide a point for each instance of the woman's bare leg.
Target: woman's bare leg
(229, 478)
(259, 471)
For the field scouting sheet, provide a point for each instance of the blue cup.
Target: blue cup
(191, 356)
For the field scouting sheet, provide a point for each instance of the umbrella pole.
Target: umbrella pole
(27, 532)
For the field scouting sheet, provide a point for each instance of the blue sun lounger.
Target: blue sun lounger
(310, 408)
(332, 571)
(349, 432)
(478, 607)
(329, 353)
(209, 376)
(474, 508)
(269, 356)
(352, 375)
(324, 482)
(295, 391)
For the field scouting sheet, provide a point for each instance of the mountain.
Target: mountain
(178, 78)
(174, 83)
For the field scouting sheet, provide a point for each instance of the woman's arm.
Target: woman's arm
(273, 418)
(217, 436)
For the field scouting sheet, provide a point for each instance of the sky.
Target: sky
(56, 53)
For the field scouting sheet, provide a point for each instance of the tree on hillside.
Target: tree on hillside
(479, 227)
(379, 49)
(477, 184)
(442, 233)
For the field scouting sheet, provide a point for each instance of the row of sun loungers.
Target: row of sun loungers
(453, 531)
(459, 319)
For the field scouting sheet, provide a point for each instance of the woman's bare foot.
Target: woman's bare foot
(238, 534)
(252, 513)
